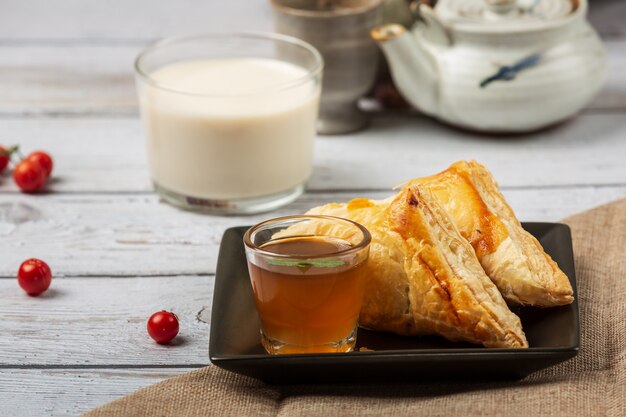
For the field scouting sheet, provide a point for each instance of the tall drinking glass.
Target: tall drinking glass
(229, 119)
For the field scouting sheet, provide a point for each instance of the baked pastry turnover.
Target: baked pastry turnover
(511, 257)
(422, 276)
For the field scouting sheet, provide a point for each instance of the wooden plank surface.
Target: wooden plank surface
(613, 95)
(67, 79)
(124, 21)
(107, 154)
(98, 79)
(121, 21)
(119, 254)
(125, 235)
(69, 392)
(100, 321)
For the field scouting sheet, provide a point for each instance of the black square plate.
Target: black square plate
(553, 334)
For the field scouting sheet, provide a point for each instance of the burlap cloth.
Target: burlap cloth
(591, 384)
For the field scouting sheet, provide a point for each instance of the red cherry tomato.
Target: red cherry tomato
(29, 176)
(34, 276)
(4, 158)
(163, 326)
(42, 158)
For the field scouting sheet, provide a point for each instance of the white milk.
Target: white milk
(243, 133)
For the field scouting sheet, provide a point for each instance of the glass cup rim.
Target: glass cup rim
(265, 36)
(367, 238)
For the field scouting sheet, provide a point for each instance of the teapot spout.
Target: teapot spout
(413, 68)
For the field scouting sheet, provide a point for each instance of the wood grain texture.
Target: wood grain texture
(107, 154)
(613, 95)
(119, 20)
(135, 235)
(118, 254)
(102, 321)
(98, 79)
(67, 79)
(70, 392)
(124, 21)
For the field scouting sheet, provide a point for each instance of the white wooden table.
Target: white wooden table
(118, 254)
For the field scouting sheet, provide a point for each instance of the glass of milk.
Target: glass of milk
(229, 119)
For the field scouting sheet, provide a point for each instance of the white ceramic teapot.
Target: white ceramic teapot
(497, 65)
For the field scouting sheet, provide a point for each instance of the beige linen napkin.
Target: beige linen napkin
(591, 384)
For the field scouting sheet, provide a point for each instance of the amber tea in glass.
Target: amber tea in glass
(307, 280)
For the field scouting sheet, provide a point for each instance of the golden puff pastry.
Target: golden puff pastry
(423, 276)
(511, 257)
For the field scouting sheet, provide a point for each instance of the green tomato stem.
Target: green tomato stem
(15, 149)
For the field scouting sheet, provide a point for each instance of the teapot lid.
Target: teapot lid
(505, 15)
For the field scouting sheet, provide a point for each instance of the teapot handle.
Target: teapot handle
(435, 31)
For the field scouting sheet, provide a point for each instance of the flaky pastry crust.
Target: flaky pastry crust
(515, 261)
(423, 277)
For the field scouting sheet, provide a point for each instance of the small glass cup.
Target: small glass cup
(307, 279)
(229, 119)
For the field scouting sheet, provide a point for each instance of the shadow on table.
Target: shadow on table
(387, 123)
